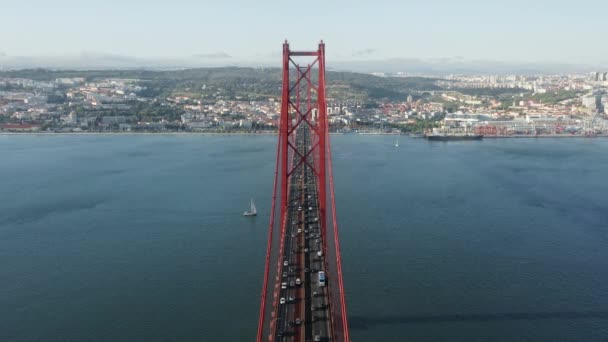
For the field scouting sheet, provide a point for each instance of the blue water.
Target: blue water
(140, 238)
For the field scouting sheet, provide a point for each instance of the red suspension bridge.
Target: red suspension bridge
(303, 291)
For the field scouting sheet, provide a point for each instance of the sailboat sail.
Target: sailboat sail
(252, 210)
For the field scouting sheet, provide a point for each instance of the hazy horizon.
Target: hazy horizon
(416, 66)
(186, 33)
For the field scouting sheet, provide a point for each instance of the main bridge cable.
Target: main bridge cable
(269, 247)
(337, 241)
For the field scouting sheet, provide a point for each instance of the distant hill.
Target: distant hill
(242, 81)
(418, 66)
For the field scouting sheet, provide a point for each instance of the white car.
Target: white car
(299, 230)
(298, 282)
(282, 301)
(284, 285)
(286, 263)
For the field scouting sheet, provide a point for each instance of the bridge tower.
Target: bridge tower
(303, 239)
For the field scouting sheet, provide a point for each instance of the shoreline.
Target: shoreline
(543, 136)
(134, 133)
(518, 136)
(150, 133)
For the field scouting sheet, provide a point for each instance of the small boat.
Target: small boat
(396, 142)
(252, 210)
(452, 136)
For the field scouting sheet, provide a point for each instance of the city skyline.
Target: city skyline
(213, 34)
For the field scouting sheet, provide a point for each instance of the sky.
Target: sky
(244, 30)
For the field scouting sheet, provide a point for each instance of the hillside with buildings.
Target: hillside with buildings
(246, 99)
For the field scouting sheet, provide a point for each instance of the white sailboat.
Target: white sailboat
(396, 142)
(252, 210)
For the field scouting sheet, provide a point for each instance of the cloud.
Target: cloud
(108, 57)
(212, 55)
(364, 52)
(3, 54)
(440, 66)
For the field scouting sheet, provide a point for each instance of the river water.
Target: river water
(141, 238)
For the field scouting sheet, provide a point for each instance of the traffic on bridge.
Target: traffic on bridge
(303, 291)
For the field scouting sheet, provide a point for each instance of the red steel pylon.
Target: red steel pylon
(288, 160)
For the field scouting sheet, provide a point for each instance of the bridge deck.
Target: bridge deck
(307, 301)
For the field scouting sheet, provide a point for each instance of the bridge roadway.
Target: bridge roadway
(307, 301)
